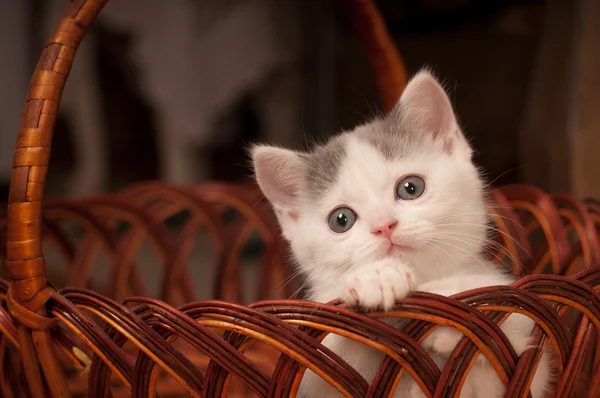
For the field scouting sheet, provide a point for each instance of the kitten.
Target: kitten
(393, 206)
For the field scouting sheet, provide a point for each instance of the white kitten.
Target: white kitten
(393, 206)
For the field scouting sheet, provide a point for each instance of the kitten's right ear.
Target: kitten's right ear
(280, 173)
(425, 109)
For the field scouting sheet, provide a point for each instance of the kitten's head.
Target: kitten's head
(403, 186)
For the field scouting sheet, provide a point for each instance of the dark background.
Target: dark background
(514, 70)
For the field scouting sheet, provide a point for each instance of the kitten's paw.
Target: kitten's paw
(442, 341)
(377, 286)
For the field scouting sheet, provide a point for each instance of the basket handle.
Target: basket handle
(387, 64)
(24, 257)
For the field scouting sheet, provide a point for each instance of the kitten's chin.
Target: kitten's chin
(394, 250)
(398, 250)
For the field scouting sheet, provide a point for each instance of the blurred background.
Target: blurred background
(177, 89)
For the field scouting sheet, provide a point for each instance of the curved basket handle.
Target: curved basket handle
(24, 257)
(384, 57)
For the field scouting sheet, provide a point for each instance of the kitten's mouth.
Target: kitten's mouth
(397, 248)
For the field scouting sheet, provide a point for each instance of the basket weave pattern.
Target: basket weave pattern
(74, 341)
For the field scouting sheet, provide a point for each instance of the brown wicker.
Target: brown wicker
(75, 341)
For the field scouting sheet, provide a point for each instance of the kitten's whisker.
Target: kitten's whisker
(469, 238)
(490, 228)
(297, 291)
(475, 239)
(486, 215)
(435, 248)
(501, 249)
(468, 253)
(286, 281)
(484, 238)
(502, 174)
(496, 205)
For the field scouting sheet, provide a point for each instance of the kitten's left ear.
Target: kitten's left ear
(280, 173)
(424, 108)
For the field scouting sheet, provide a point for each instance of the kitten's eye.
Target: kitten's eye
(410, 188)
(342, 219)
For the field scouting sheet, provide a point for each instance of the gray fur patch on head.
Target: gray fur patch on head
(324, 164)
(391, 137)
(391, 144)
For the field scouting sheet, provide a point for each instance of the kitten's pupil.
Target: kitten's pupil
(410, 188)
(342, 220)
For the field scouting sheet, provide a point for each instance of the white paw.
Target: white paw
(378, 285)
(442, 341)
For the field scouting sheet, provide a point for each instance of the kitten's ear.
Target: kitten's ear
(280, 173)
(424, 108)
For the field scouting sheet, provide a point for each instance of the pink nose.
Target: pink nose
(384, 229)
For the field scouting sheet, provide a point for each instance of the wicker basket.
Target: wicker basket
(77, 342)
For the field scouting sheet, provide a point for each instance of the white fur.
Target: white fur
(445, 229)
